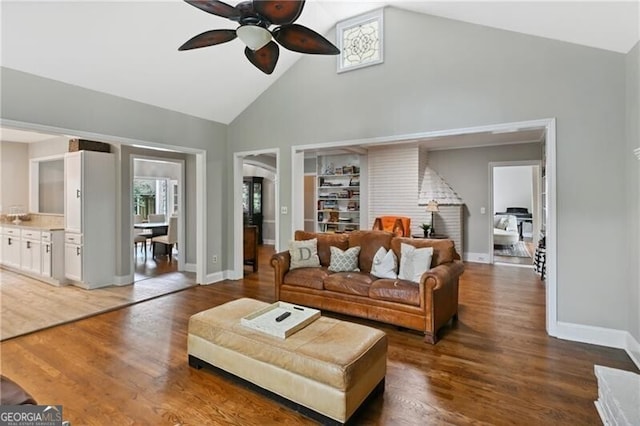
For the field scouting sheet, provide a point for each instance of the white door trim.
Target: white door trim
(238, 161)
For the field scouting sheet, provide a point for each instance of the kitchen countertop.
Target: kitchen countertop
(35, 226)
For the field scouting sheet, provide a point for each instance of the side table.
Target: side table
(431, 237)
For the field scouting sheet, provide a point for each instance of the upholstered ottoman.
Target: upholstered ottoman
(330, 366)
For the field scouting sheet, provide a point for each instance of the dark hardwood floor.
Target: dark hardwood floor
(496, 365)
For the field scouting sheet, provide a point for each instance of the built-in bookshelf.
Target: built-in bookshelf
(338, 193)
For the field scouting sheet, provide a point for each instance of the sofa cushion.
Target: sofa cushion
(369, 242)
(344, 260)
(414, 262)
(307, 277)
(400, 291)
(349, 282)
(385, 264)
(325, 241)
(443, 250)
(304, 254)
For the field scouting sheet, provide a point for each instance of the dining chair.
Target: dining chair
(140, 236)
(155, 218)
(168, 240)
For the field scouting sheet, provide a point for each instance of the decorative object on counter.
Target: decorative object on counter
(17, 213)
(87, 145)
(432, 207)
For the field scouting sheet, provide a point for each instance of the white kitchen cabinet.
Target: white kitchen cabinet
(73, 163)
(90, 218)
(11, 247)
(53, 255)
(73, 261)
(30, 251)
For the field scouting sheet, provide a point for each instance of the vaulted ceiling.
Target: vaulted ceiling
(129, 49)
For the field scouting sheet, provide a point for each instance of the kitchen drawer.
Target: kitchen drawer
(46, 237)
(73, 238)
(12, 231)
(29, 234)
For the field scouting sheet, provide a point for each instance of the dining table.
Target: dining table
(156, 228)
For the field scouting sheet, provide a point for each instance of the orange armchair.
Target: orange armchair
(399, 225)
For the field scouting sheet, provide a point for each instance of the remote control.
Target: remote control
(283, 316)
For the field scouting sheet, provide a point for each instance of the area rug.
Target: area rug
(519, 249)
(28, 305)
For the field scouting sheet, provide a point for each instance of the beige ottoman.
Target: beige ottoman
(330, 367)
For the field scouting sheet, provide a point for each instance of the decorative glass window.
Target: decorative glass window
(360, 41)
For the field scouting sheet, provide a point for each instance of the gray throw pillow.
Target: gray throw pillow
(344, 261)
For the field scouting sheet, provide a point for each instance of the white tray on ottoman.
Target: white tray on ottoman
(266, 319)
(327, 369)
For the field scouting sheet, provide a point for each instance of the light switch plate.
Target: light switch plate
(284, 210)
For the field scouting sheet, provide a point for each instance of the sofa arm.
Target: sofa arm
(436, 278)
(439, 287)
(280, 263)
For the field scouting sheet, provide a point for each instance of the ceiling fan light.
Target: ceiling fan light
(253, 36)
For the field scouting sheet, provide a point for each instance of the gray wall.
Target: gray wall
(14, 176)
(40, 101)
(467, 171)
(444, 74)
(633, 191)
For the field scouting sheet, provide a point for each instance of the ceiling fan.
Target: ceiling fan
(255, 17)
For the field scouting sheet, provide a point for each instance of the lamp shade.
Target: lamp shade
(253, 36)
(432, 206)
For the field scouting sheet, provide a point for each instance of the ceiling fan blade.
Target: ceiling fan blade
(216, 8)
(279, 12)
(209, 38)
(304, 40)
(265, 58)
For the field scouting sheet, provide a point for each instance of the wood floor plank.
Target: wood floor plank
(496, 365)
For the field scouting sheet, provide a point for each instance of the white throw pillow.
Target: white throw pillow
(304, 254)
(344, 261)
(414, 262)
(385, 264)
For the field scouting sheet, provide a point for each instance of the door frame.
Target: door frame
(238, 253)
(537, 212)
(181, 208)
(549, 124)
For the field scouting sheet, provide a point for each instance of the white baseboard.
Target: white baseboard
(269, 242)
(476, 257)
(190, 267)
(218, 276)
(633, 349)
(214, 278)
(619, 339)
(121, 280)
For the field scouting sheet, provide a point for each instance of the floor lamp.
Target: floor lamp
(432, 207)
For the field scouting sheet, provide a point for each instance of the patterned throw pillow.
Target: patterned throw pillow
(344, 261)
(304, 254)
(385, 264)
(414, 262)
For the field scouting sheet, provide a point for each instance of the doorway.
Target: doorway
(157, 205)
(515, 199)
(256, 198)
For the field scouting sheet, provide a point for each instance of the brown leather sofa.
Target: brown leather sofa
(424, 306)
